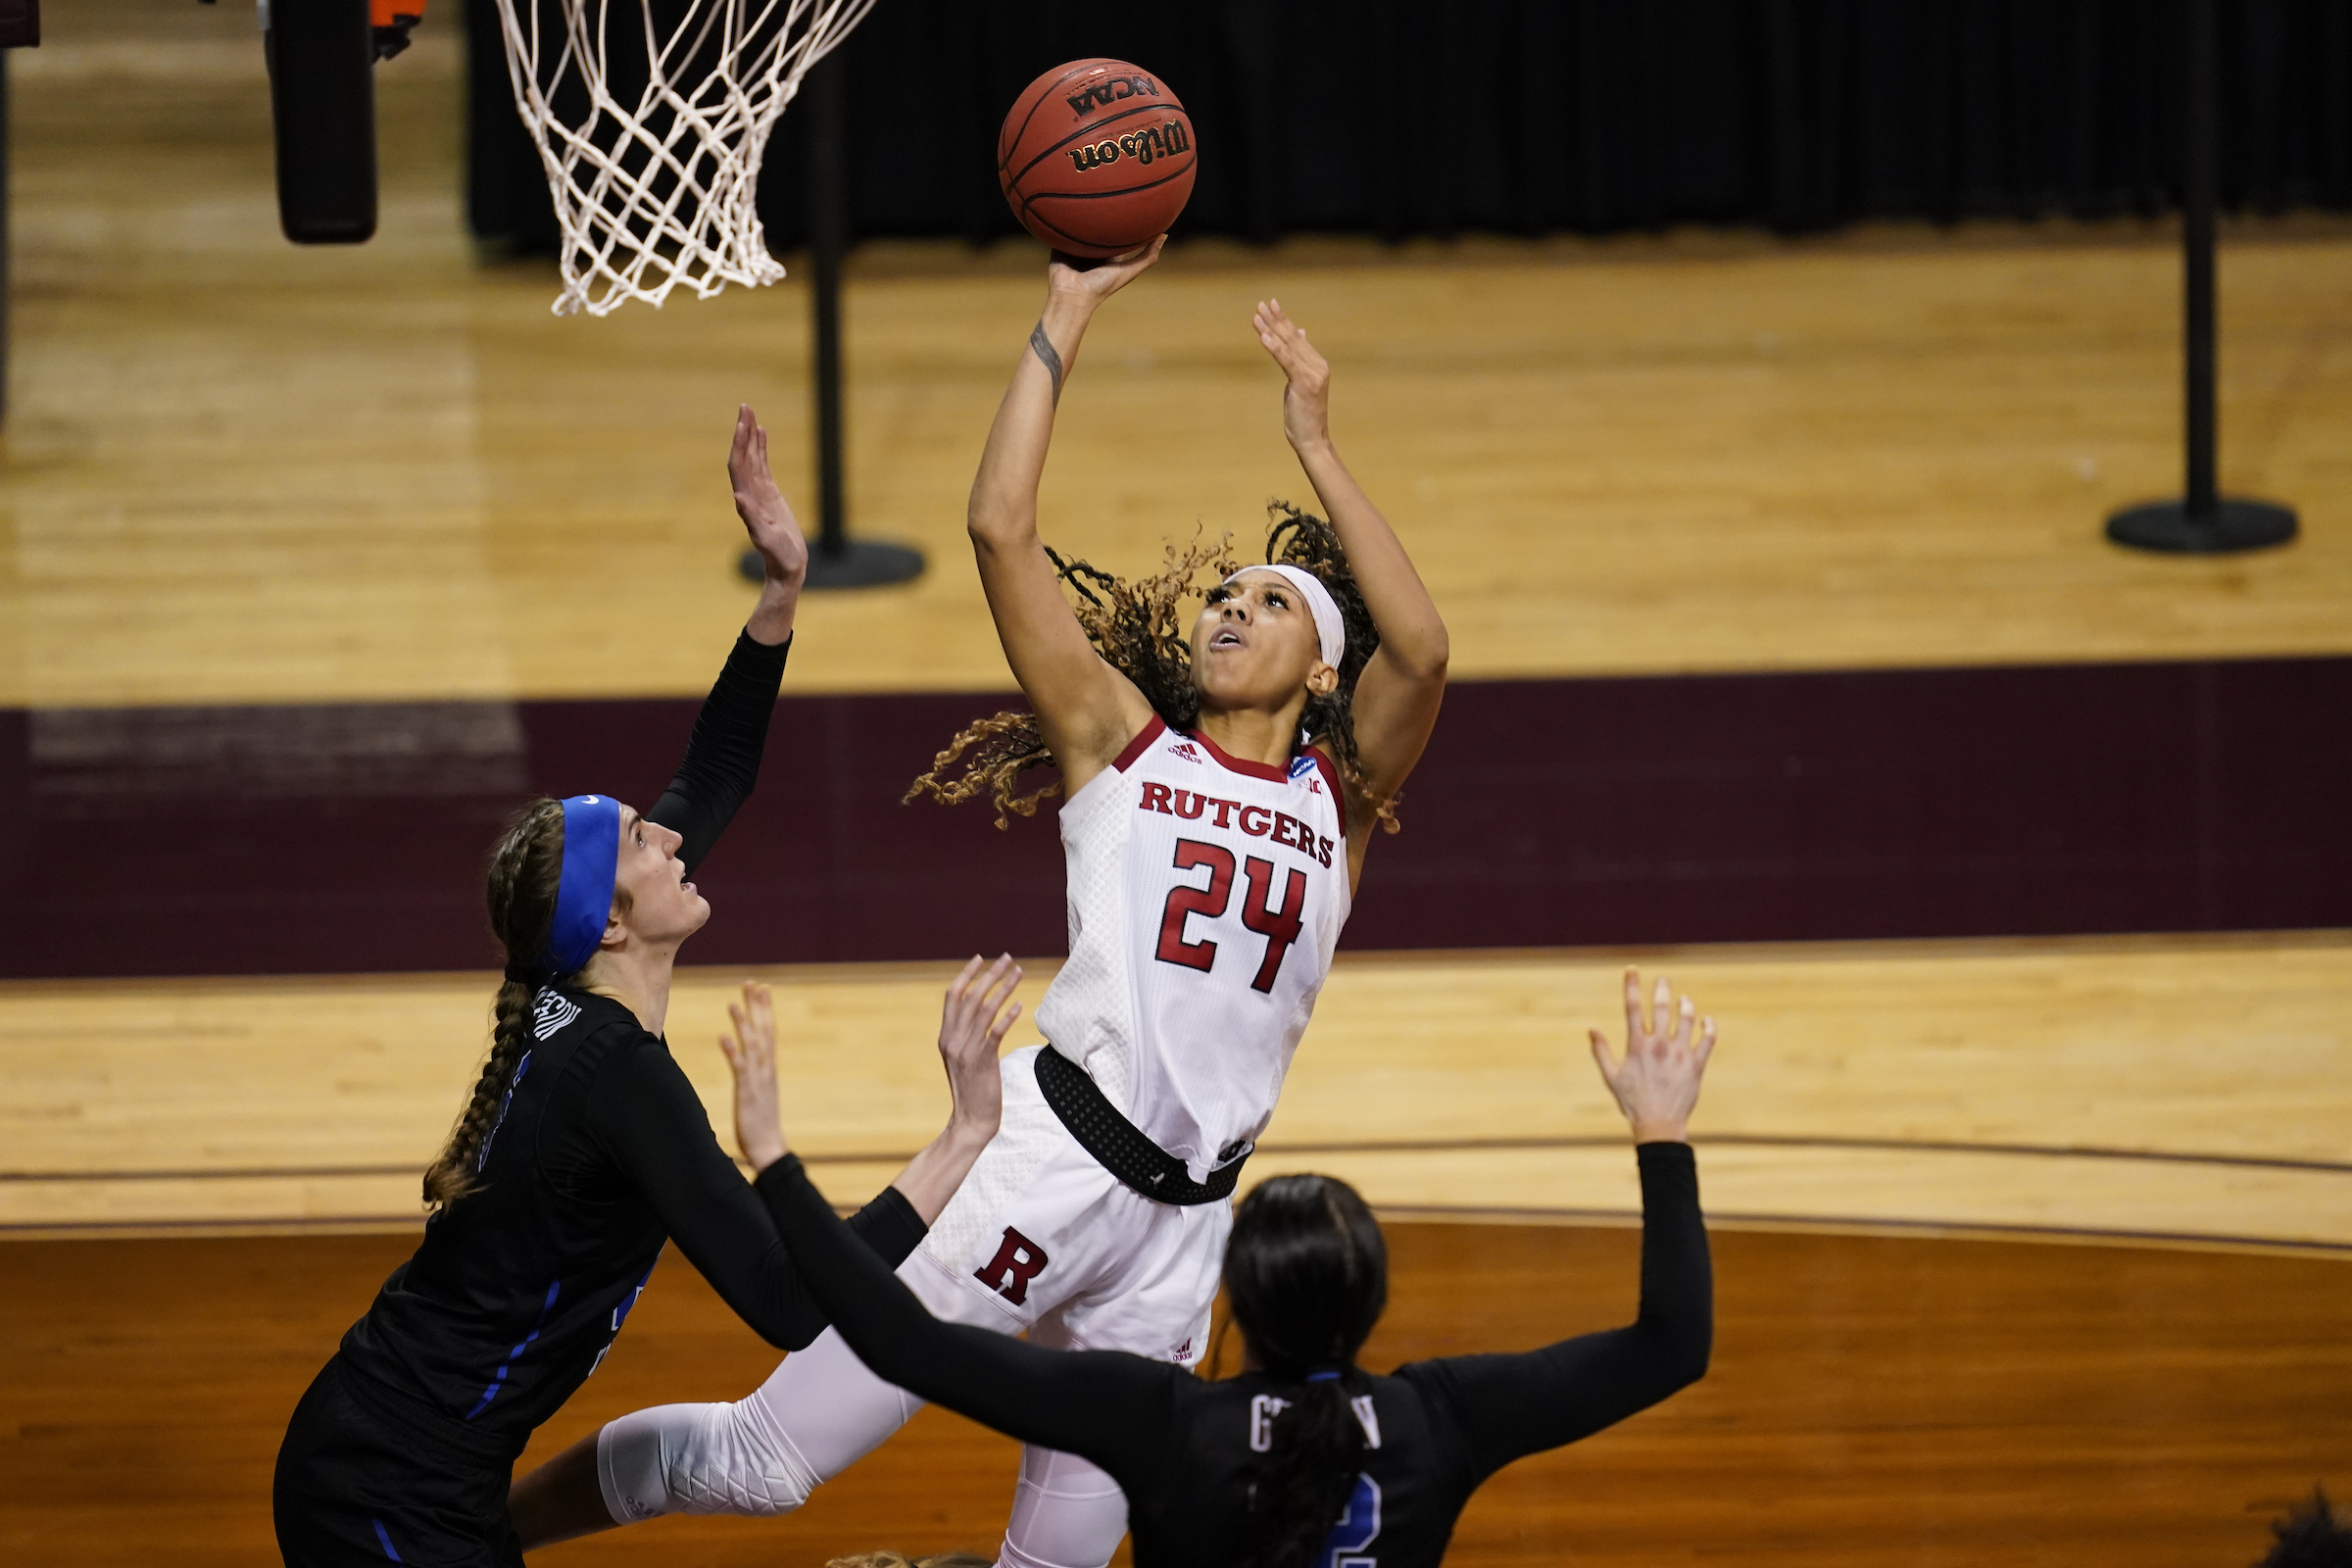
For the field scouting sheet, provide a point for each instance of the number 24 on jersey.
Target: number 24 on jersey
(1279, 924)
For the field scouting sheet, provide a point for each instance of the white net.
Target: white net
(652, 147)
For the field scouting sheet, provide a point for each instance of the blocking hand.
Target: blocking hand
(973, 1020)
(750, 1053)
(1656, 1084)
(766, 516)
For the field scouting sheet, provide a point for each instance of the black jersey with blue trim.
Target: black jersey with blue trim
(600, 1153)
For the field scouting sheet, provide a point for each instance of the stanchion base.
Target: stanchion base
(861, 564)
(2170, 526)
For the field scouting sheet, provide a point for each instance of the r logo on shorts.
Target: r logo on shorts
(1017, 1261)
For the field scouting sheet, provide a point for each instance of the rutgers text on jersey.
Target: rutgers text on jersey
(1205, 895)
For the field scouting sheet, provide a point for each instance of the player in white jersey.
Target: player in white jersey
(1223, 788)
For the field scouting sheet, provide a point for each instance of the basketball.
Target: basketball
(1096, 157)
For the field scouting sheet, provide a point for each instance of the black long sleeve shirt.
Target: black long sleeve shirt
(1181, 1448)
(600, 1153)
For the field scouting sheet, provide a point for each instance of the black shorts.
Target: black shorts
(362, 1481)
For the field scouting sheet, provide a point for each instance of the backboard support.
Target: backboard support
(321, 57)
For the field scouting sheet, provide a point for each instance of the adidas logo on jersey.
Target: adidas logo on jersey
(1188, 751)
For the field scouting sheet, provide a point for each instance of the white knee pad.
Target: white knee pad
(699, 1458)
(1066, 1514)
(818, 1414)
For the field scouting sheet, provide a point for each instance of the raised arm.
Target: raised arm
(1509, 1406)
(1398, 694)
(1088, 711)
(730, 733)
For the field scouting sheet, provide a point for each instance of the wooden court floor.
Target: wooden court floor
(1872, 1400)
(2193, 1089)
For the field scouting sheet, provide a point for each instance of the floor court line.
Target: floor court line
(2073, 1084)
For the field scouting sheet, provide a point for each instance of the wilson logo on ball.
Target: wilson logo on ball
(1102, 94)
(1153, 141)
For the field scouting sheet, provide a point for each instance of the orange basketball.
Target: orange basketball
(1096, 157)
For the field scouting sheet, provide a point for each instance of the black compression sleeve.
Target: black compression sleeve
(1509, 1406)
(723, 755)
(1104, 1405)
(889, 1226)
(645, 1117)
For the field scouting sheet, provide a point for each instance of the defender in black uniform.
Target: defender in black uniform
(1305, 1459)
(583, 1150)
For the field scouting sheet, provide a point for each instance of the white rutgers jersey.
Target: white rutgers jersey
(1205, 895)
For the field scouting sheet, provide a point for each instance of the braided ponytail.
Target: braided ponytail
(526, 868)
(1308, 1274)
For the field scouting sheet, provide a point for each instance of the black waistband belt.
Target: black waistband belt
(1119, 1145)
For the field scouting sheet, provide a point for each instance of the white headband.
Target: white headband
(1331, 632)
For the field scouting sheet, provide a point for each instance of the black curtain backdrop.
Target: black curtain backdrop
(1400, 118)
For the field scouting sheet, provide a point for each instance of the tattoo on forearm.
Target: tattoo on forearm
(1042, 347)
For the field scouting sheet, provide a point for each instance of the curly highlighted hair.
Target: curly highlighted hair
(1140, 631)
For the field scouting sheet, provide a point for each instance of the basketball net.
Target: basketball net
(664, 192)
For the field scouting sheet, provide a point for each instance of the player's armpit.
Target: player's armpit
(1088, 711)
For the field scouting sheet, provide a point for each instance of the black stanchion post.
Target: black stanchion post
(19, 28)
(5, 285)
(2202, 521)
(835, 560)
(827, 218)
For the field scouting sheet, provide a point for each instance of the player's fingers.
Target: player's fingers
(963, 981)
(1661, 1007)
(997, 1030)
(1603, 1059)
(1633, 1007)
(1686, 1019)
(1706, 1042)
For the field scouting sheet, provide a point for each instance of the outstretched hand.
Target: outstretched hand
(1306, 398)
(1091, 281)
(751, 1053)
(972, 1021)
(1656, 1084)
(766, 516)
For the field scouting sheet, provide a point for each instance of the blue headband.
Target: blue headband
(584, 897)
(1322, 1377)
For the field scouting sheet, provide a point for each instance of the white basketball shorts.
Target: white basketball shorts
(1041, 1240)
